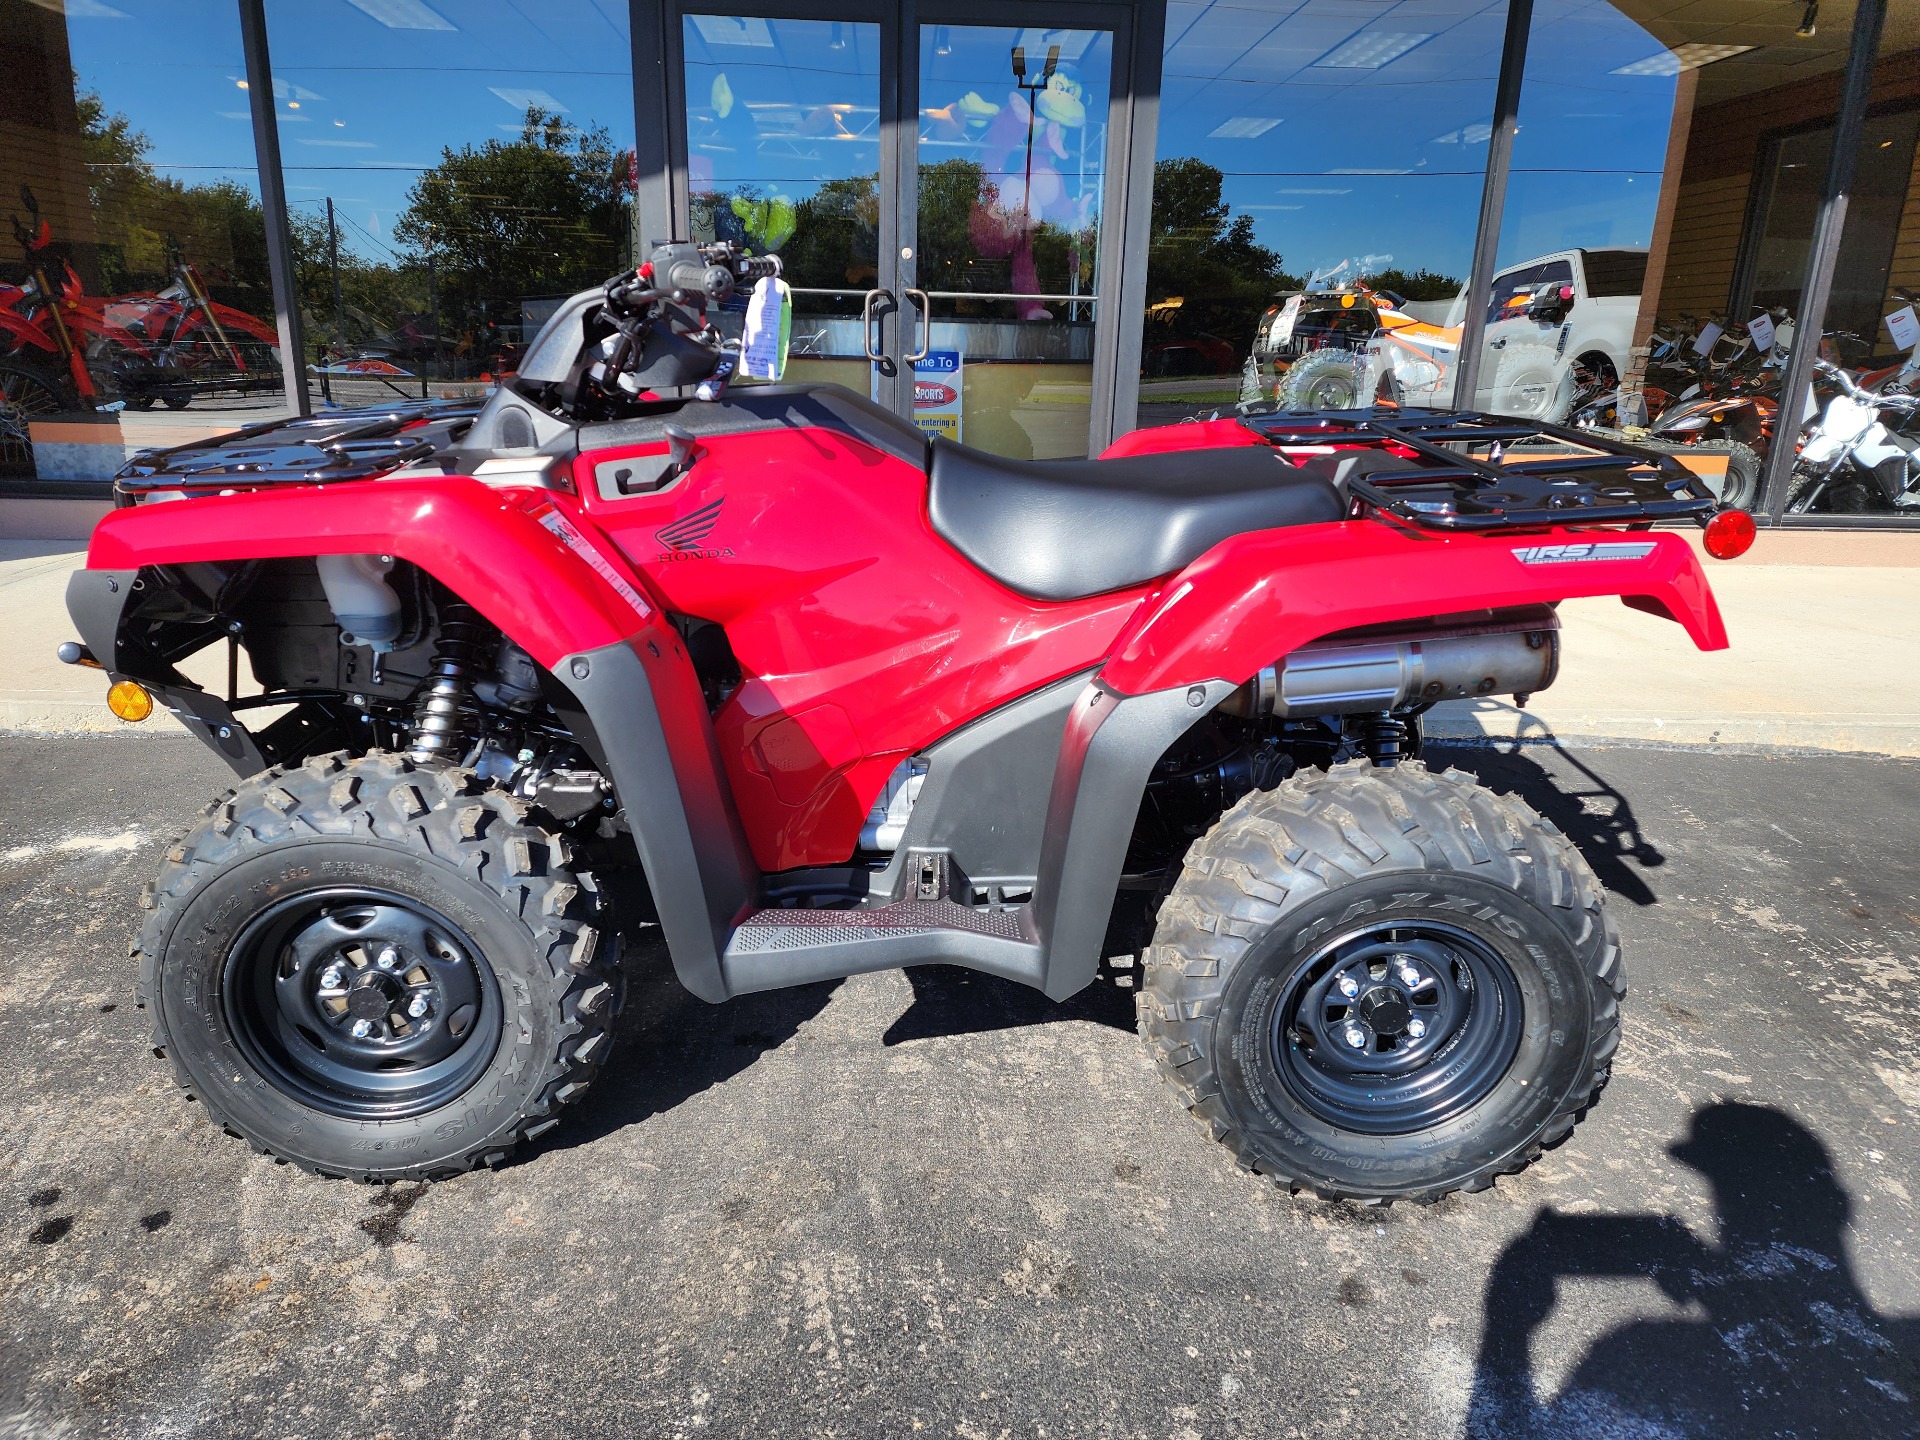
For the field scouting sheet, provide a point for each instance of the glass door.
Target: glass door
(784, 154)
(1001, 265)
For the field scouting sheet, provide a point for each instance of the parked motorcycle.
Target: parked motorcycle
(1723, 396)
(147, 347)
(1863, 454)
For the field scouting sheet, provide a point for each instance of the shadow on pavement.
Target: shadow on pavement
(1573, 794)
(1777, 1339)
(671, 1046)
(950, 1001)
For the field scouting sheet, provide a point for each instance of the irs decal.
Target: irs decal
(1584, 550)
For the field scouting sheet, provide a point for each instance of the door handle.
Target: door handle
(926, 324)
(866, 323)
(1499, 344)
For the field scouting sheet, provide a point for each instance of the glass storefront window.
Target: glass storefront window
(135, 273)
(1317, 186)
(452, 174)
(1674, 156)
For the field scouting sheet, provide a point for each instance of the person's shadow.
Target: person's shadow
(1779, 1340)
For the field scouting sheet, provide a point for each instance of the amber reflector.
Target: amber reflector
(1729, 535)
(130, 701)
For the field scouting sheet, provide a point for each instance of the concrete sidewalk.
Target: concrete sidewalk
(1825, 655)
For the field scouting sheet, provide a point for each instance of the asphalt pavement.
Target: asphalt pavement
(934, 1203)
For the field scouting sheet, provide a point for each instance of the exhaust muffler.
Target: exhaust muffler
(1386, 667)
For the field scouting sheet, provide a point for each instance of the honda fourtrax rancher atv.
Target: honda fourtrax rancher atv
(823, 697)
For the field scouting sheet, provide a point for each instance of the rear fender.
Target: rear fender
(1259, 596)
(531, 564)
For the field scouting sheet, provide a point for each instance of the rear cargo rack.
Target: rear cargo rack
(309, 450)
(1454, 489)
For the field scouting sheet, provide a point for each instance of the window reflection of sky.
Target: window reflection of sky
(364, 103)
(1344, 130)
(1340, 131)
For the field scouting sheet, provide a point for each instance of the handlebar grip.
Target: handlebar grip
(760, 267)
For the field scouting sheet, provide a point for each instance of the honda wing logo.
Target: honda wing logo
(685, 539)
(1587, 550)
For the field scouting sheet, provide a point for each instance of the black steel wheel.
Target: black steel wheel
(378, 970)
(1381, 984)
(362, 1002)
(1394, 1027)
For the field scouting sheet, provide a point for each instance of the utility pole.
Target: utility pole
(339, 303)
(433, 308)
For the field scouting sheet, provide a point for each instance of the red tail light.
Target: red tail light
(1730, 535)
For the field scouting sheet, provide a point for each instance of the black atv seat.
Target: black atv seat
(1066, 529)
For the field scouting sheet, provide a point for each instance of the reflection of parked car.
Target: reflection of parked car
(1570, 311)
(1194, 354)
(1548, 320)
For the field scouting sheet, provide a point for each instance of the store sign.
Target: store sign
(1904, 328)
(936, 393)
(1760, 327)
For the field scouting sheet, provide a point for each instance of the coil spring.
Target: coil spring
(1385, 738)
(446, 720)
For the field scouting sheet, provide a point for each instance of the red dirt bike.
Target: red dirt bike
(165, 346)
(822, 698)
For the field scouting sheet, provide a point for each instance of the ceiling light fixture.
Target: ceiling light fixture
(1809, 21)
(942, 40)
(1242, 127)
(839, 41)
(402, 14)
(1371, 49)
(1682, 57)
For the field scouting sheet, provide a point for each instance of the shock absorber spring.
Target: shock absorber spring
(447, 717)
(1385, 737)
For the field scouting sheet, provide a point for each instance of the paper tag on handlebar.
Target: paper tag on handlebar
(1760, 327)
(1708, 337)
(1904, 328)
(769, 327)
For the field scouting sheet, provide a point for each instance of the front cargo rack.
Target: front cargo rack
(358, 445)
(1444, 488)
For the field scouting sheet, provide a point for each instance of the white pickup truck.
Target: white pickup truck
(1532, 350)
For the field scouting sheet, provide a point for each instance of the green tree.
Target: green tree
(1202, 255)
(1416, 284)
(143, 220)
(509, 220)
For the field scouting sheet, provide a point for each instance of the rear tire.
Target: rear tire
(1453, 912)
(297, 923)
(26, 390)
(1325, 380)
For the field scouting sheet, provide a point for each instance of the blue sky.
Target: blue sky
(1289, 97)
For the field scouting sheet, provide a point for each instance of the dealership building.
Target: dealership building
(1030, 226)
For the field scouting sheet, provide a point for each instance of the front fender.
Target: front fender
(1259, 596)
(488, 546)
(534, 566)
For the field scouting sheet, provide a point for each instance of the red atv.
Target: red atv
(823, 698)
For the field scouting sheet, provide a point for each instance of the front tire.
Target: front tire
(1381, 984)
(377, 970)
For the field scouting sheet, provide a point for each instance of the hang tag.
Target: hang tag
(1904, 328)
(763, 344)
(1281, 330)
(1760, 327)
(1708, 337)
